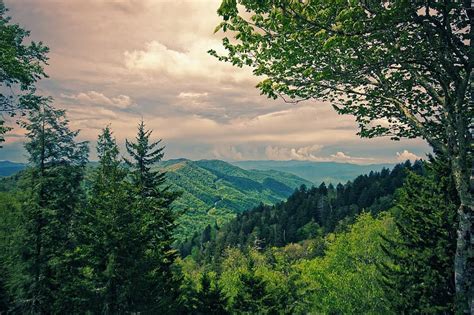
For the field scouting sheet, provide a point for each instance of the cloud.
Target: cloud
(96, 98)
(149, 59)
(157, 59)
(284, 153)
(406, 155)
(126, 6)
(188, 95)
(308, 153)
(227, 153)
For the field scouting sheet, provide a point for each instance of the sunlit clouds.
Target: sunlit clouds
(117, 61)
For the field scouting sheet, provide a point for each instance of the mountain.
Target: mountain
(215, 191)
(8, 168)
(316, 172)
(306, 213)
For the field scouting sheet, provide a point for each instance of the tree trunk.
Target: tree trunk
(464, 178)
(463, 266)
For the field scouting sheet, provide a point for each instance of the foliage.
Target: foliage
(290, 280)
(307, 213)
(156, 221)
(44, 267)
(213, 191)
(108, 248)
(21, 66)
(403, 69)
(420, 275)
(344, 280)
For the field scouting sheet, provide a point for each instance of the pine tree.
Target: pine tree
(153, 204)
(45, 279)
(209, 299)
(420, 278)
(143, 156)
(111, 238)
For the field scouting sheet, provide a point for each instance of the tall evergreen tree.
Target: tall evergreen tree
(45, 279)
(111, 241)
(420, 278)
(153, 204)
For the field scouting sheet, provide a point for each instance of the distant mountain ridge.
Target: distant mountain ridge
(8, 168)
(315, 172)
(215, 191)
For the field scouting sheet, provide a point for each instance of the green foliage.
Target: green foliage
(307, 213)
(254, 283)
(403, 69)
(156, 221)
(10, 232)
(345, 279)
(420, 275)
(108, 249)
(204, 297)
(214, 191)
(290, 280)
(52, 196)
(21, 66)
(373, 60)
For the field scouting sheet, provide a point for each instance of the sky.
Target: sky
(118, 61)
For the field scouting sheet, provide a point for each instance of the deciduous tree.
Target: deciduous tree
(404, 69)
(21, 66)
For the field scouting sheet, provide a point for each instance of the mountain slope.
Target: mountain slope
(316, 172)
(215, 191)
(8, 168)
(308, 212)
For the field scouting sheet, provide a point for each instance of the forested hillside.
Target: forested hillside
(308, 212)
(327, 250)
(214, 191)
(8, 168)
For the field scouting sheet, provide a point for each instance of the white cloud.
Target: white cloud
(341, 156)
(406, 155)
(192, 95)
(158, 60)
(227, 153)
(96, 98)
(162, 72)
(284, 153)
(308, 153)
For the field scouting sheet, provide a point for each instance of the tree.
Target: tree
(344, 280)
(9, 234)
(420, 276)
(111, 243)
(44, 282)
(209, 298)
(21, 66)
(402, 68)
(153, 204)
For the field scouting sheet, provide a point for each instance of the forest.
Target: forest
(132, 232)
